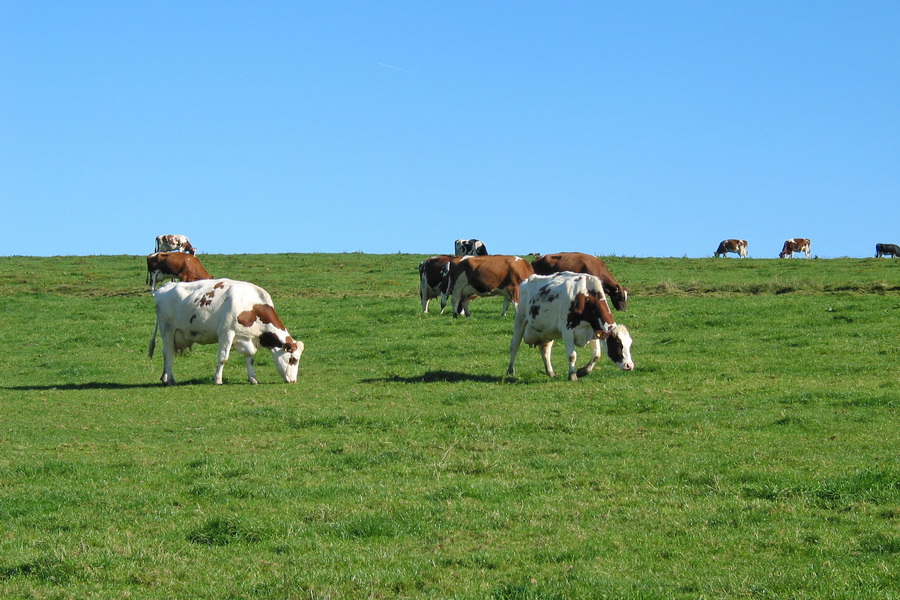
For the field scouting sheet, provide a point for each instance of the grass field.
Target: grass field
(753, 453)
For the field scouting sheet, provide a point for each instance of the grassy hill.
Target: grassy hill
(752, 453)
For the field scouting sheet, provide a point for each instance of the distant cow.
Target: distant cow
(738, 247)
(571, 307)
(470, 248)
(576, 262)
(794, 245)
(434, 279)
(492, 275)
(233, 314)
(184, 267)
(174, 243)
(887, 249)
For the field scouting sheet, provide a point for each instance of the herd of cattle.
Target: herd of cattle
(557, 296)
(562, 296)
(793, 245)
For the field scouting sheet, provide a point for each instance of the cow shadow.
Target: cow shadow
(99, 385)
(440, 376)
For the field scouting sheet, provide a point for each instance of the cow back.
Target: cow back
(578, 262)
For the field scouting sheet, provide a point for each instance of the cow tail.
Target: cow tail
(153, 340)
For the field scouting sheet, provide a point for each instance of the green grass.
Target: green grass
(753, 453)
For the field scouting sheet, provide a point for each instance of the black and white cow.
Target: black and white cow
(892, 250)
(434, 279)
(470, 248)
(571, 307)
(225, 312)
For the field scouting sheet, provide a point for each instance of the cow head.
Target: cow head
(287, 359)
(619, 297)
(618, 347)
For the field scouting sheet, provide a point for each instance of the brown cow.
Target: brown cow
(794, 245)
(185, 267)
(738, 247)
(576, 262)
(490, 275)
(174, 243)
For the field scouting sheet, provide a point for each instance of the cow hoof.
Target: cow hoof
(573, 377)
(253, 381)
(582, 372)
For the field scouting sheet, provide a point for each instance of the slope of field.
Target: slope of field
(752, 453)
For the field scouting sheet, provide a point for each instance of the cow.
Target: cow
(234, 314)
(571, 307)
(576, 262)
(887, 249)
(174, 243)
(184, 267)
(434, 279)
(794, 245)
(470, 248)
(738, 247)
(492, 275)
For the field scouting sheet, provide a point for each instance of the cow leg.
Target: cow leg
(461, 307)
(251, 374)
(569, 340)
(423, 295)
(596, 351)
(518, 334)
(226, 338)
(168, 344)
(546, 349)
(505, 305)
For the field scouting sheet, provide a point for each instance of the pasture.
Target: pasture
(753, 453)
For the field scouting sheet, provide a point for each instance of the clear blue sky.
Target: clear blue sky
(626, 128)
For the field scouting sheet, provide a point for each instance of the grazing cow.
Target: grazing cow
(738, 247)
(434, 279)
(486, 276)
(887, 249)
(470, 248)
(174, 243)
(571, 307)
(576, 262)
(231, 313)
(794, 245)
(185, 267)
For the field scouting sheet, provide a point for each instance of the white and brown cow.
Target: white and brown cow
(571, 307)
(794, 245)
(174, 243)
(892, 250)
(434, 279)
(577, 262)
(232, 314)
(470, 248)
(738, 247)
(494, 275)
(184, 267)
